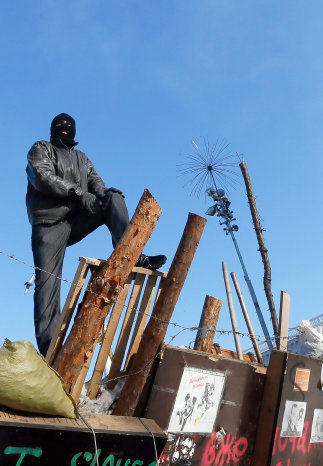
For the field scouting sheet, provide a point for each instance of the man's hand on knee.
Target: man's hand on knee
(90, 203)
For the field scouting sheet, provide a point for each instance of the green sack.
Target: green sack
(28, 383)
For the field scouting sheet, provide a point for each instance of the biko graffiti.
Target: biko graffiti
(80, 458)
(216, 450)
(229, 450)
(294, 446)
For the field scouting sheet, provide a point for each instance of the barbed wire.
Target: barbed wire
(258, 337)
(148, 364)
(159, 353)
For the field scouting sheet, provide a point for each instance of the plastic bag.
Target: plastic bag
(310, 341)
(28, 383)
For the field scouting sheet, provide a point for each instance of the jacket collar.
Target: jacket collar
(59, 143)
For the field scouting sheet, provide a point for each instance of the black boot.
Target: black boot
(151, 262)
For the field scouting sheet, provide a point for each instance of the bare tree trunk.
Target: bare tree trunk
(262, 248)
(155, 331)
(103, 289)
(208, 323)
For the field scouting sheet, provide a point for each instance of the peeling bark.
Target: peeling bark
(207, 327)
(155, 331)
(262, 248)
(103, 290)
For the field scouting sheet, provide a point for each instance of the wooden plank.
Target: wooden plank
(67, 312)
(142, 317)
(283, 320)
(160, 288)
(108, 339)
(97, 421)
(155, 273)
(103, 289)
(123, 339)
(101, 262)
(269, 409)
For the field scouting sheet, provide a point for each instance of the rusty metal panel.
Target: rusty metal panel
(301, 384)
(237, 416)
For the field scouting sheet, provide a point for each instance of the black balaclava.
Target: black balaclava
(64, 133)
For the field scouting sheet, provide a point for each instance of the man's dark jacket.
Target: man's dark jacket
(57, 177)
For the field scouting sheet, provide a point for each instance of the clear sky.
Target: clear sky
(143, 78)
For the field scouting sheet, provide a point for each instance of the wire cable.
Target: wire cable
(153, 436)
(94, 436)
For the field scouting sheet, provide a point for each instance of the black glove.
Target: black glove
(111, 190)
(90, 203)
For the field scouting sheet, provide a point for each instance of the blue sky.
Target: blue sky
(143, 78)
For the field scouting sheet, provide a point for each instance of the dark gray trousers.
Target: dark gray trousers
(49, 243)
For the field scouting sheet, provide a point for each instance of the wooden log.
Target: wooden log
(283, 320)
(232, 311)
(103, 289)
(156, 328)
(247, 318)
(207, 326)
(79, 382)
(262, 248)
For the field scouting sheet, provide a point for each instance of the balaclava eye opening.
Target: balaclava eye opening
(63, 132)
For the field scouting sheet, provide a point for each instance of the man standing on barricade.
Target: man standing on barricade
(66, 200)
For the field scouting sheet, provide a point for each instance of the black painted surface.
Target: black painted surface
(52, 446)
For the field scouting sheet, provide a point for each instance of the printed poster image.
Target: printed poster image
(293, 420)
(302, 378)
(317, 427)
(197, 401)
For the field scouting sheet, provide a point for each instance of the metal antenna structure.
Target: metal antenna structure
(221, 209)
(212, 165)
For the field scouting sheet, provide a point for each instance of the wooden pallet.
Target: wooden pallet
(135, 298)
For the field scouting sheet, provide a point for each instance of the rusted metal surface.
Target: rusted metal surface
(294, 379)
(104, 286)
(207, 326)
(249, 357)
(238, 413)
(156, 328)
